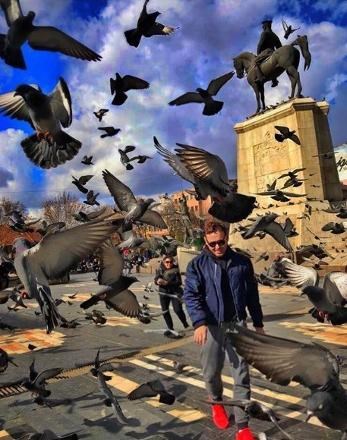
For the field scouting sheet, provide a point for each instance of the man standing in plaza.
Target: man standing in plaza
(219, 287)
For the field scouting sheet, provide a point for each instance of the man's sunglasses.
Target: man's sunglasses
(219, 243)
(168, 261)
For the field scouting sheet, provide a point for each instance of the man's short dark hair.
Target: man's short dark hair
(212, 225)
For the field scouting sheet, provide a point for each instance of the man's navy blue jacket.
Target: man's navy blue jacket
(202, 291)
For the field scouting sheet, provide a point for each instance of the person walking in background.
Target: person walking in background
(220, 285)
(169, 280)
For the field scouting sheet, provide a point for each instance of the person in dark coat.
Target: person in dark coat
(268, 42)
(169, 280)
(220, 288)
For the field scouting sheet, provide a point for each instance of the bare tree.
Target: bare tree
(8, 205)
(61, 209)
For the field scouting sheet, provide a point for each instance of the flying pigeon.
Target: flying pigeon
(100, 113)
(50, 146)
(86, 217)
(116, 295)
(140, 159)
(126, 202)
(87, 160)
(288, 29)
(109, 131)
(285, 133)
(81, 181)
(152, 389)
(21, 30)
(54, 255)
(91, 198)
(283, 360)
(120, 85)
(208, 173)
(201, 96)
(146, 27)
(36, 382)
(124, 158)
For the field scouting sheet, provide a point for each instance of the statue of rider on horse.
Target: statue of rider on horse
(271, 61)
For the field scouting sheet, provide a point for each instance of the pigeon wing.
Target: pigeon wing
(187, 98)
(47, 374)
(52, 39)
(12, 10)
(174, 161)
(122, 194)
(203, 165)
(125, 303)
(300, 276)
(132, 82)
(340, 280)
(159, 29)
(153, 218)
(283, 360)
(328, 226)
(216, 84)
(56, 253)
(14, 107)
(85, 179)
(144, 390)
(95, 214)
(283, 130)
(60, 100)
(111, 264)
(275, 230)
(333, 292)
(295, 139)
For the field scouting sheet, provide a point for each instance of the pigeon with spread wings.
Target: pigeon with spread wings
(283, 360)
(22, 30)
(136, 210)
(285, 133)
(152, 389)
(50, 146)
(208, 173)
(54, 255)
(202, 96)
(147, 26)
(120, 85)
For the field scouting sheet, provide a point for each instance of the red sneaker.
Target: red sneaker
(219, 416)
(244, 434)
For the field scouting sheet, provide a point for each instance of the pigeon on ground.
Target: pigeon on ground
(87, 216)
(257, 410)
(69, 324)
(5, 359)
(126, 202)
(288, 29)
(53, 256)
(208, 173)
(120, 85)
(335, 228)
(124, 158)
(50, 146)
(340, 212)
(285, 133)
(22, 30)
(152, 389)
(267, 224)
(202, 96)
(101, 113)
(87, 160)
(97, 317)
(146, 27)
(81, 181)
(116, 295)
(91, 198)
(109, 131)
(283, 360)
(36, 382)
(179, 368)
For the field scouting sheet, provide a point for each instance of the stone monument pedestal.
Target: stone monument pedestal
(261, 159)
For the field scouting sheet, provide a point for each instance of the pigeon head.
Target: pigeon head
(30, 16)
(202, 92)
(318, 404)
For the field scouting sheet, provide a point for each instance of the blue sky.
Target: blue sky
(210, 33)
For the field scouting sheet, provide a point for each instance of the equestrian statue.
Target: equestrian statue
(271, 61)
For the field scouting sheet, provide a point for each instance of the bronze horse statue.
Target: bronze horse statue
(285, 58)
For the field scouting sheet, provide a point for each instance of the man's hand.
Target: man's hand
(200, 335)
(260, 330)
(161, 282)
